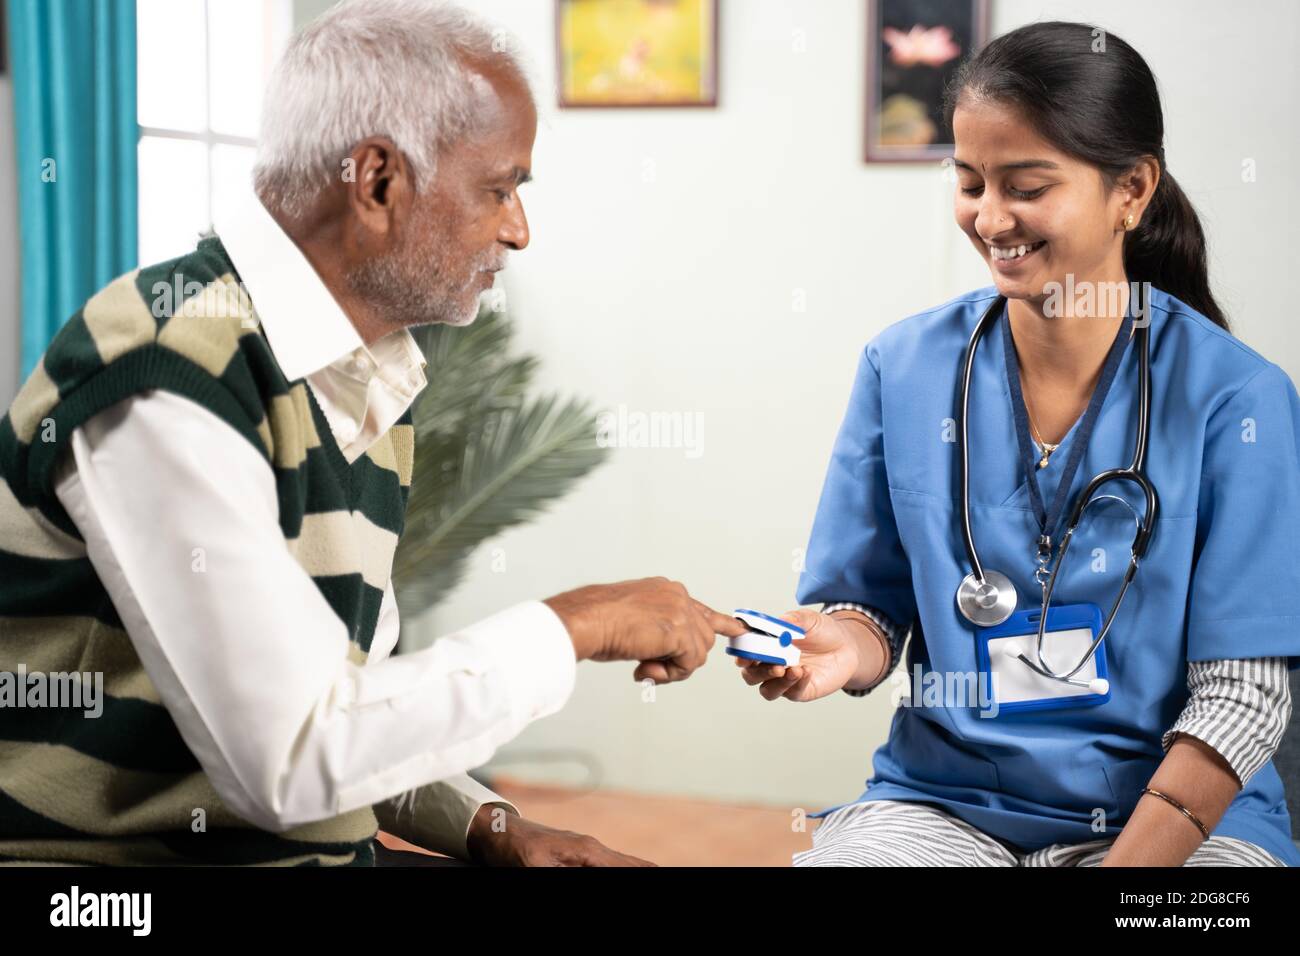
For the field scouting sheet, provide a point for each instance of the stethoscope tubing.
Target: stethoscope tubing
(1135, 473)
(968, 368)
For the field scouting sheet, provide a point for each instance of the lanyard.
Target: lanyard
(1048, 520)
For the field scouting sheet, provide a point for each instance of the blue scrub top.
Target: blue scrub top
(1220, 580)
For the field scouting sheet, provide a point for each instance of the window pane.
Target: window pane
(173, 197)
(239, 41)
(232, 172)
(170, 64)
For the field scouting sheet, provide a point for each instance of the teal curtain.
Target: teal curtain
(74, 108)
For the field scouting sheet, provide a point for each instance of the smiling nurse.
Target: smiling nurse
(1063, 188)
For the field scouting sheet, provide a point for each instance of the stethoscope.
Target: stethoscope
(986, 597)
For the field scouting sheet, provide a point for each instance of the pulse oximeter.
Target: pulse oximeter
(769, 639)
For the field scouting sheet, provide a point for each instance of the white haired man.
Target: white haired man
(201, 499)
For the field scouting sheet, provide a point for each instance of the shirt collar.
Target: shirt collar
(361, 390)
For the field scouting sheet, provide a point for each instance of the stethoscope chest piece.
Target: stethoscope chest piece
(987, 602)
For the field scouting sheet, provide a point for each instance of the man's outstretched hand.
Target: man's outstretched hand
(653, 620)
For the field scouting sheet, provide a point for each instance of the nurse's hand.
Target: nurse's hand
(654, 621)
(830, 655)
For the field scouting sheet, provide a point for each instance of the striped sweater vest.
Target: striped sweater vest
(122, 787)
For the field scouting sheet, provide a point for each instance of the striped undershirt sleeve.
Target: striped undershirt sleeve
(1238, 707)
(893, 632)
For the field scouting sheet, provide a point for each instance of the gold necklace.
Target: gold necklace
(1047, 448)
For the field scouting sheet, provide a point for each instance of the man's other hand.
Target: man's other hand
(498, 837)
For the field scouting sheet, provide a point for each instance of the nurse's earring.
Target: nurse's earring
(1128, 222)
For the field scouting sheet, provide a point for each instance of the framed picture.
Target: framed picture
(614, 53)
(913, 49)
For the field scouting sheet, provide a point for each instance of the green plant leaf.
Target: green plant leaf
(469, 371)
(485, 458)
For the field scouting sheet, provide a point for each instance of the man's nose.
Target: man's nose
(514, 229)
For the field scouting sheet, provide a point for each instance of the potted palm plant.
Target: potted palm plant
(487, 455)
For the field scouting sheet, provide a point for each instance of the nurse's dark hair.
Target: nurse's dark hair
(1100, 104)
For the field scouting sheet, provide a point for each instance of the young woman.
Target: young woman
(1157, 750)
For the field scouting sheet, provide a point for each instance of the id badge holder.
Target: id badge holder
(1016, 687)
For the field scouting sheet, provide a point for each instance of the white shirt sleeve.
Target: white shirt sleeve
(180, 518)
(436, 816)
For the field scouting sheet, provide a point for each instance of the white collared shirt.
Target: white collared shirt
(260, 687)
(362, 390)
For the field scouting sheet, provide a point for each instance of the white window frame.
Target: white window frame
(277, 15)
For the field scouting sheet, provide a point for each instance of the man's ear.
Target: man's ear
(377, 183)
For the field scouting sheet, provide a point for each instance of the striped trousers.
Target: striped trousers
(902, 833)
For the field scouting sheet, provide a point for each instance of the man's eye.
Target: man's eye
(503, 195)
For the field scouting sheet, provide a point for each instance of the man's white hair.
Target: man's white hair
(395, 68)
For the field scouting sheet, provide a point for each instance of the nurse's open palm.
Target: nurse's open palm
(828, 659)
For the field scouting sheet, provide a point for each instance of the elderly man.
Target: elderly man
(201, 499)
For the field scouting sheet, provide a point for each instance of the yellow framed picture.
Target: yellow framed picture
(614, 53)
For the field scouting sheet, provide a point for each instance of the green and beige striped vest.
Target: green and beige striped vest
(121, 787)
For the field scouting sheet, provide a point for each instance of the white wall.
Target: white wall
(668, 250)
(9, 291)
(305, 11)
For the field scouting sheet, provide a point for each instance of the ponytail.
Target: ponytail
(1167, 249)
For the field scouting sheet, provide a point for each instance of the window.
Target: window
(202, 65)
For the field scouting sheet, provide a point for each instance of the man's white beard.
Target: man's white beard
(470, 313)
(399, 285)
(491, 259)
